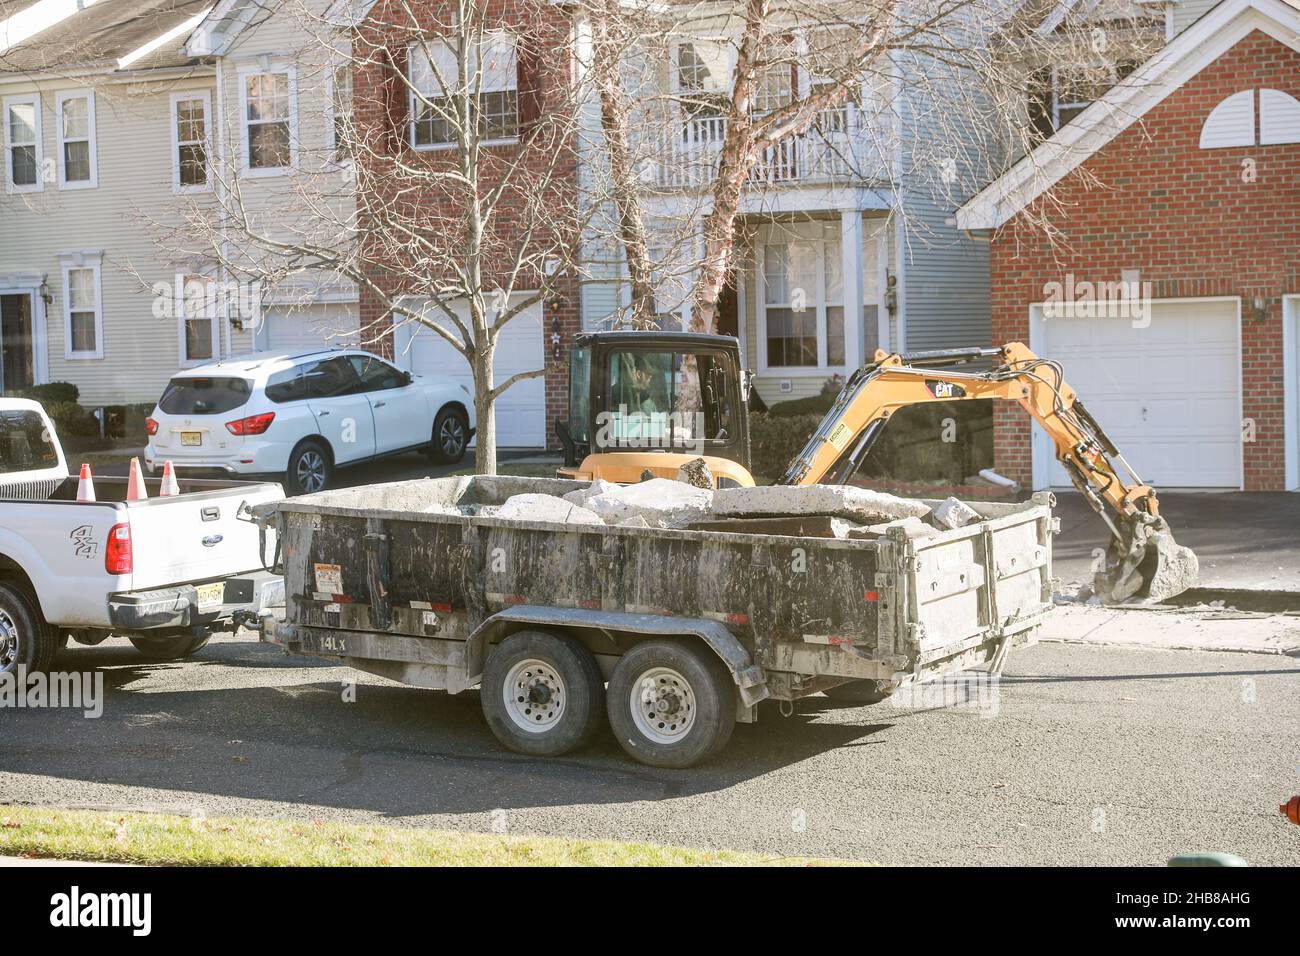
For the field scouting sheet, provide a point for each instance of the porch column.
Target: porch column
(851, 270)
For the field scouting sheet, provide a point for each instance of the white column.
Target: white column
(851, 269)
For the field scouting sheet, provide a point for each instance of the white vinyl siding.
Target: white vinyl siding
(23, 153)
(191, 169)
(268, 128)
(83, 312)
(78, 164)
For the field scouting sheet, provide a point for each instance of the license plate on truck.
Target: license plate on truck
(211, 595)
(191, 438)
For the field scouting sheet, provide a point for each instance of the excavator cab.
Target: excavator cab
(643, 400)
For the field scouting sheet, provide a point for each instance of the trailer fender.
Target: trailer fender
(749, 677)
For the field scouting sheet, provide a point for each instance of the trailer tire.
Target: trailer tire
(671, 703)
(171, 648)
(25, 639)
(860, 693)
(542, 693)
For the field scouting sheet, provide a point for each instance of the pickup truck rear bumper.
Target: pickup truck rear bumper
(179, 606)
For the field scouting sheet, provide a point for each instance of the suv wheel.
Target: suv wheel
(450, 437)
(309, 469)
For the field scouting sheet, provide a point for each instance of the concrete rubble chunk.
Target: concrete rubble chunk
(912, 526)
(860, 504)
(597, 487)
(537, 507)
(661, 501)
(696, 472)
(636, 521)
(953, 514)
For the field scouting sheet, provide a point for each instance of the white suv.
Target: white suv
(303, 414)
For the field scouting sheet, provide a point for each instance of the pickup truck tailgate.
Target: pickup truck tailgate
(193, 537)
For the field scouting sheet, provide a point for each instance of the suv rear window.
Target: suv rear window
(25, 444)
(203, 396)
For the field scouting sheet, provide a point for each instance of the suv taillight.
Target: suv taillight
(117, 556)
(150, 427)
(252, 425)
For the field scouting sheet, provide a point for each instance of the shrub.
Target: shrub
(52, 392)
(775, 439)
(71, 420)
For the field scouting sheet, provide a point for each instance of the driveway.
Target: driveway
(1245, 540)
(1095, 756)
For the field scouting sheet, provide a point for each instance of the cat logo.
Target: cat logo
(84, 544)
(944, 389)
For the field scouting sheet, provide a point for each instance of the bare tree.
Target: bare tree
(906, 96)
(445, 190)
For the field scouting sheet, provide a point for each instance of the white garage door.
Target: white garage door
(1168, 395)
(521, 411)
(308, 327)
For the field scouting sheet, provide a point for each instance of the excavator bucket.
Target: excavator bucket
(1147, 566)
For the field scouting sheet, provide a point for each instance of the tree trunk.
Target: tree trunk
(485, 409)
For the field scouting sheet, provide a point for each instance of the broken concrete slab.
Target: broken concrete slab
(598, 487)
(844, 501)
(796, 526)
(696, 472)
(538, 507)
(953, 514)
(1181, 629)
(661, 501)
(912, 526)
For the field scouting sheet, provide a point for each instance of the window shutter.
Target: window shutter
(396, 101)
(528, 67)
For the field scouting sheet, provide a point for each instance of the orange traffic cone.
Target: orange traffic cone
(86, 487)
(169, 484)
(1291, 810)
(135, 489)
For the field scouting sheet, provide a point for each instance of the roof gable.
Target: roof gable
(1127, 102)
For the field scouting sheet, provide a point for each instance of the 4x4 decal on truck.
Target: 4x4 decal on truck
(84, 544)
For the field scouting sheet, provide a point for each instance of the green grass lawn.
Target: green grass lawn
(161, 839)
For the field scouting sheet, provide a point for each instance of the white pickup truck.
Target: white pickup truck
(164, 571)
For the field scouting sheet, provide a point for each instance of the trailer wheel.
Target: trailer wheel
(171, 648)
(859, 693)
(542, 693)
(25, 639)
(671, 703)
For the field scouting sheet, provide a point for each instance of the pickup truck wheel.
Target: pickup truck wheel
(859, 693)
(542, 693)
(171, 648)
(310, 469)
(25, 639)
(450, 437)
(671, 704)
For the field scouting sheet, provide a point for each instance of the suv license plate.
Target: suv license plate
(211, 595)
(191, 438)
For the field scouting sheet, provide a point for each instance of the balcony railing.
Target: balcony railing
(838, 148)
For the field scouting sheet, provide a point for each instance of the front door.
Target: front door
(17, 368)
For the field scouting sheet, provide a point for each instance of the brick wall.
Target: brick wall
(548, 164)
(1185, 219)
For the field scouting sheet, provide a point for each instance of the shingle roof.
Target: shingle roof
(103, 33)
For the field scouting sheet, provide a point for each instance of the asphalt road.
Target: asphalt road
(1095, 755)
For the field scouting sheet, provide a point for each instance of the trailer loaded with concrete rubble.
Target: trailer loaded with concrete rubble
(669, 611)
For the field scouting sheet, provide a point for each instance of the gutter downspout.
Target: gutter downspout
(222, 198)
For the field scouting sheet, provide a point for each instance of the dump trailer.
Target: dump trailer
(690, 629)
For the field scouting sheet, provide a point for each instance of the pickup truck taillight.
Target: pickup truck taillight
(252, 425)
(117, 556)
(150, 427)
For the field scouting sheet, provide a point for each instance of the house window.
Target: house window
(703, 77)
(495, 108)
(341, 110)
(76, 140)
(198, 314)
(23, 143)
(803, 303)
(190, 136)
(268, 121)
(83, 325)
(1059, 94)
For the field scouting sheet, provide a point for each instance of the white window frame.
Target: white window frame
(819, 305)
(205, 98)
(417, 49)
(21, 99)
(258, 69)
(182, 317)
(89, 96)
(98, 352)
(331, 115)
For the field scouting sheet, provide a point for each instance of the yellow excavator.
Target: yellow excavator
(649, 402)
